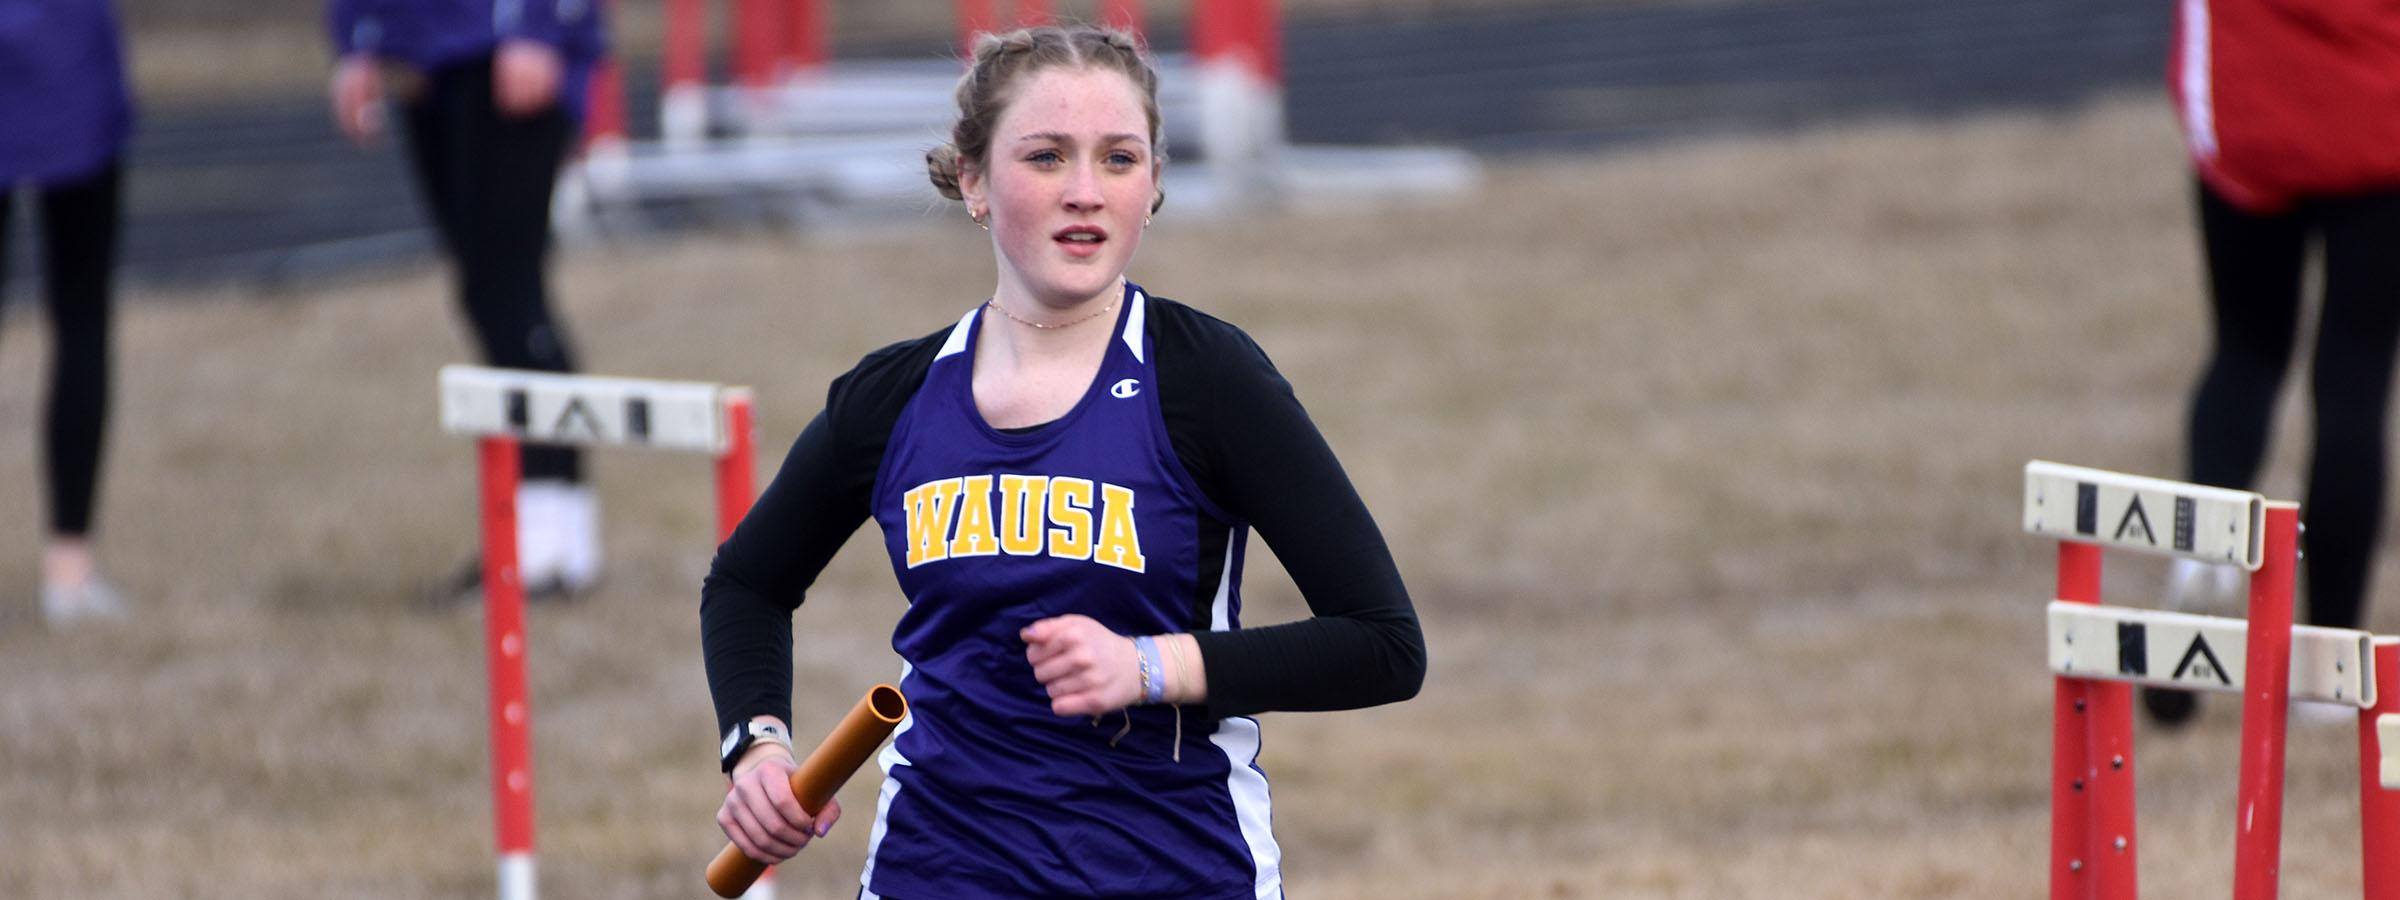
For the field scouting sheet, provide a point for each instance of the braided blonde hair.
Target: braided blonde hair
(1002, 60)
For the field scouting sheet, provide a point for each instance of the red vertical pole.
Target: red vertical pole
(804, 36)
(975, 17)
(604, 105)
(2266, 697)
(2378, 807)
(757, 33)
(1246, 31)
(2111, 838)
(1123, 15)
(1266, 23)
(504, 666)
(735, 467)
(604, 117)
(1033, 12)
(2070, 798)
(685, 57)
(2091, 764)
(683, 99)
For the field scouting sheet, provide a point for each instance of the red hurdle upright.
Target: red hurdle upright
(2379, 777)
(504, 668)
(736, 467)
(2266, 697)
(2091, 759)
(505, 407)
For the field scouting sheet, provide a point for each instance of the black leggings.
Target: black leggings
(487, 178)
(2255, 267)
(79, 244)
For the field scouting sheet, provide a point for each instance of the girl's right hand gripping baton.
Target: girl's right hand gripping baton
(820, 776)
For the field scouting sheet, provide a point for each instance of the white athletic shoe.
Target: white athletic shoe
(537, 549)
(2210, 590)
(558, 537)
(94, 600)
(575, 537)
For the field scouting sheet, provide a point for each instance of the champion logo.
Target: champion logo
(1125, 389)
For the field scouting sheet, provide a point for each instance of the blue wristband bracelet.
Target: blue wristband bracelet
(1154, 675)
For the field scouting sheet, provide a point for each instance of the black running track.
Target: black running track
(267, 192)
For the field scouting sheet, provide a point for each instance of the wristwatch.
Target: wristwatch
(743, 736)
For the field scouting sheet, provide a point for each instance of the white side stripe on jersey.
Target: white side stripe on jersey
(958, 333)
(1133, 325)
(1220, 607)
(1252, 804)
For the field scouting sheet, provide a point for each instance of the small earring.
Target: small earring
(980, 219)
(1145, 220)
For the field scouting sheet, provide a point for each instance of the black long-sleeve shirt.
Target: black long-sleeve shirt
(1237, 429)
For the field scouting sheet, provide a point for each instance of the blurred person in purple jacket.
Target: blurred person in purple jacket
(67, 115)
(490, 94)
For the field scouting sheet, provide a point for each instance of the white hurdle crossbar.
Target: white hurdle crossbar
(2150, 515)
(2194, 652)
(553, 408)
(502, 408)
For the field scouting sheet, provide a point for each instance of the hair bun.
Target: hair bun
(941, 167)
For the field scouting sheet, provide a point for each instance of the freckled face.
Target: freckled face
(1070, 177)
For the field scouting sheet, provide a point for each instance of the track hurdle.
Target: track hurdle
(503, 408)
(2098, 652)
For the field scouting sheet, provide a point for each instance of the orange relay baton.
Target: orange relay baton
(819, 776)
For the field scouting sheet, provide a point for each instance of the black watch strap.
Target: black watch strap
(744, 735)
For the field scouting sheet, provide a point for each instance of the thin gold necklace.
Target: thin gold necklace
(995, 304)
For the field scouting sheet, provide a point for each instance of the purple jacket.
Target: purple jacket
(430, 34)
(64, 110)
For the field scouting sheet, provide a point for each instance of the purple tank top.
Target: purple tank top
(986, 792)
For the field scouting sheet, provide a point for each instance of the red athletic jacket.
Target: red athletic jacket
(2287, 98)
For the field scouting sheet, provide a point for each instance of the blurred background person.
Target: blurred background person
(2291, 117)
(65, 116)
(490, 93)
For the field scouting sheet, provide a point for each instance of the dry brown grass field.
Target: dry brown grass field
(1702, 463)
